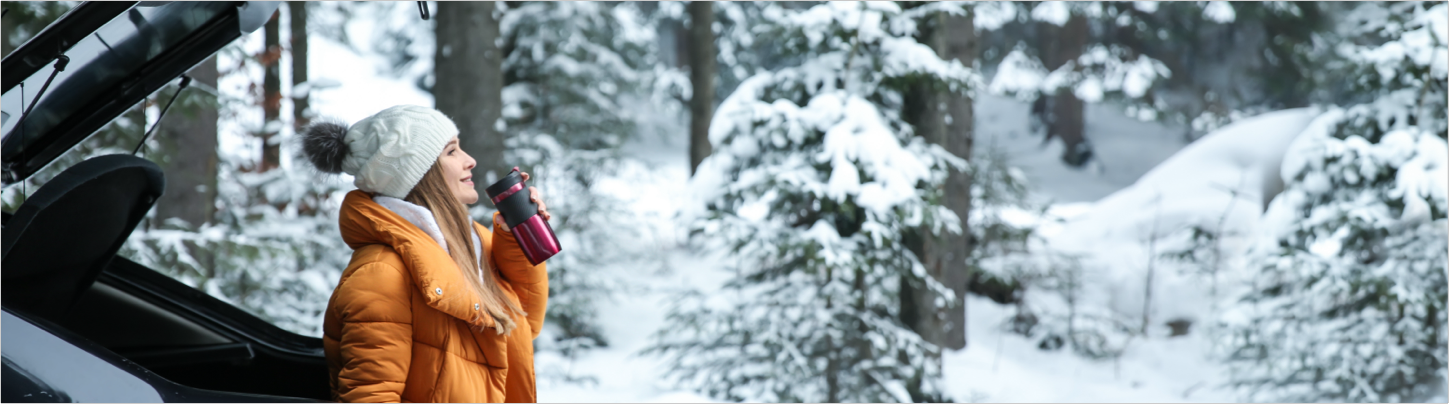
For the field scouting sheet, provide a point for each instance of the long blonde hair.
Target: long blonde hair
(433, 193)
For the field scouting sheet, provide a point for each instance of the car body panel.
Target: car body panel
(68, 370)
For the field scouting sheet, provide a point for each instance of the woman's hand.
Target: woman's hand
(533, 196)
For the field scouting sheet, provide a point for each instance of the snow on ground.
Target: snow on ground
(997, 366)
(1192, 188)
(1101, 210)
(1105, 208)
(1124, 148)
(628, 321)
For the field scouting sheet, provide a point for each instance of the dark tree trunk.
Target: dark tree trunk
(469, 84)
(681, 43)
(1061, 45)
(922, 110)
(946, 120)
(271, 94)
(298, 12)
(702, 72)
(189, 137)
(961, 45)
(190, 134)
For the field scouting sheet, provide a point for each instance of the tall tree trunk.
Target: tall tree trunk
(298, 12)
(469, 85)
(271, 94)
(702, 72)
(189, 136)
(1061, 45)
(961, 45)
(922, 110)
(945, 120)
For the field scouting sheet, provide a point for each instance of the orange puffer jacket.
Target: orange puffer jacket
(400, 326)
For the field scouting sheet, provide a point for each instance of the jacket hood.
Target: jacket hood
(364, 221)
(424, 220)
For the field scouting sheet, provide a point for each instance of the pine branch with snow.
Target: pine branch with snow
(1350, 302)
(814, 181)
(575, 75)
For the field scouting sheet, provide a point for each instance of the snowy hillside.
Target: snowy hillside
(996, 365)
(1140, 198)
(1125, 147)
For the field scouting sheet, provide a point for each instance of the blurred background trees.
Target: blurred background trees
(865, 290)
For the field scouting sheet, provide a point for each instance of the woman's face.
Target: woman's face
(458, 170)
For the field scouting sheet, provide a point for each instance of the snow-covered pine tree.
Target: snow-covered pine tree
(1229, 59)
(1349, 303)
(272, 247)
(578, 83)
(1201, 64)
(570, 69)
(814, 179)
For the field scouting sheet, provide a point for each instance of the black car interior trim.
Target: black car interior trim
(61, 237)
(237, 353)
(284, 363)
(170, 390)
(144, 283)
(122, 322)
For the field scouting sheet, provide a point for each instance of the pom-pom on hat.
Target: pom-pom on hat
(387, 153)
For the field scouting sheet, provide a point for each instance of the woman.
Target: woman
(433, 307)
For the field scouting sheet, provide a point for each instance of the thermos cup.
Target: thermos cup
(510, 196)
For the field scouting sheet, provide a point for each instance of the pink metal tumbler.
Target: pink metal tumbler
(533, 233)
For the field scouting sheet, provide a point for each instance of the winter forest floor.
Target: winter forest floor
(995, 366)
(1148, 174)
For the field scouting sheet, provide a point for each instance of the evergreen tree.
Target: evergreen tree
(272, 245)
(814, 179)
(1349, 303)
(1229, 59)
(579, 81)
(24, 19)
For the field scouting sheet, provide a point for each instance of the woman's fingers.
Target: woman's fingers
(537, 198)
(525, 175)
(499, 222)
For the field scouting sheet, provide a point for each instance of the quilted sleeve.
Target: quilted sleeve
(529, 281)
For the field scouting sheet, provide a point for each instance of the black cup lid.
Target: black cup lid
(508, 181)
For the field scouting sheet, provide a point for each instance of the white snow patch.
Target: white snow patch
(1055, 12)
(1220, 12)
(992, 15)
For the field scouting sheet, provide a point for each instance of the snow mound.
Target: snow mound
(1196, 183)
(1125, 233)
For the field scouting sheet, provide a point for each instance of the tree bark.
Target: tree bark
(189, 139)
(271, 94)
(702, 72)
(190, 136)
(1061, 45)
(961, 45)
(922, 109)
(298, 12)
(469, 83)
(944, 119)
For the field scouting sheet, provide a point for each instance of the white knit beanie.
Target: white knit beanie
(387, 152)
